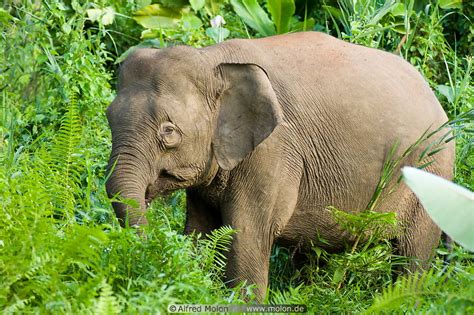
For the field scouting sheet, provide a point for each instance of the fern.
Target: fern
(63, 164)
(107, 303)
(65, 151)
(214, 248)
(407, 290)
(416, 291)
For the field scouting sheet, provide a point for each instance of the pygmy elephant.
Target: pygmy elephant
(265, 134)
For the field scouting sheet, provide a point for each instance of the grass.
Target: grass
(61, 249)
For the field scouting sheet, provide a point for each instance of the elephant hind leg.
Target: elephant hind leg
(419, 238)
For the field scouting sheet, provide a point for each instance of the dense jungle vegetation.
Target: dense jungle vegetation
(61, 248)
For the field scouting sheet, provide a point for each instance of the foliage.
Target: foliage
(422, 293)
(61, 249)
(281, 12)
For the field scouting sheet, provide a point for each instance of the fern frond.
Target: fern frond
(215, 246)
(107, 303)
(62, 160)
(65, 150)
(407, 290)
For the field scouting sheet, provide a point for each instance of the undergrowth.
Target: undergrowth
(61, 248)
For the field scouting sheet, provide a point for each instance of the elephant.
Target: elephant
(264, 135)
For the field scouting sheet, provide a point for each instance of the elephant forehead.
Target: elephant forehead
(186, 111)
(126, 102)
(170, 66)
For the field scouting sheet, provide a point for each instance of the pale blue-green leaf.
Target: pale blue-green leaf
(191, 22)
(281, 12)
(197, 4)
(254, 16)
(447, 91)
(450, 206)
(218, 34)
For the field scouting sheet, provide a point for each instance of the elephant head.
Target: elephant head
(178, 117)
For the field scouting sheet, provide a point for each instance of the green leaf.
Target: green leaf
(155, 16)
(398, 9)
(191, 22)
(106, 15)
(335, 12)
(214, 6)
(5, 17)
(302, 26)
(450, 206)
(254, 16)
(450, 4)
(381, 12)
(197, 4)
(94, 14)
(109, 15)
(338, 275)
(155, 22)
(281, 12)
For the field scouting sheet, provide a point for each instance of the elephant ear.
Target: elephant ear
(248, 113)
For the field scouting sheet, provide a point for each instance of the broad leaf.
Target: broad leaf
(447, 91)
(155, 16)
(254, 16)
(450, 4)
(190, 22)
(450, 206)
(197, 4)
(281, 12)
(218, 34)
(399, 9)
(106, 15)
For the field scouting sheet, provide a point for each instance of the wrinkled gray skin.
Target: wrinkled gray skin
(265, 134)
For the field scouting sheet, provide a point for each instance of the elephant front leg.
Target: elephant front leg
(249, 257)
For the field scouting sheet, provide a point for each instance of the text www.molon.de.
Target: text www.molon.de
(236, 308)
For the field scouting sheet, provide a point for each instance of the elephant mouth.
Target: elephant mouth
(166, 183)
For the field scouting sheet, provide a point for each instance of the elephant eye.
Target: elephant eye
(167, 130)
(169, 135)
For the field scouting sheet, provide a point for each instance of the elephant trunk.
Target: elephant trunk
(127, 182)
